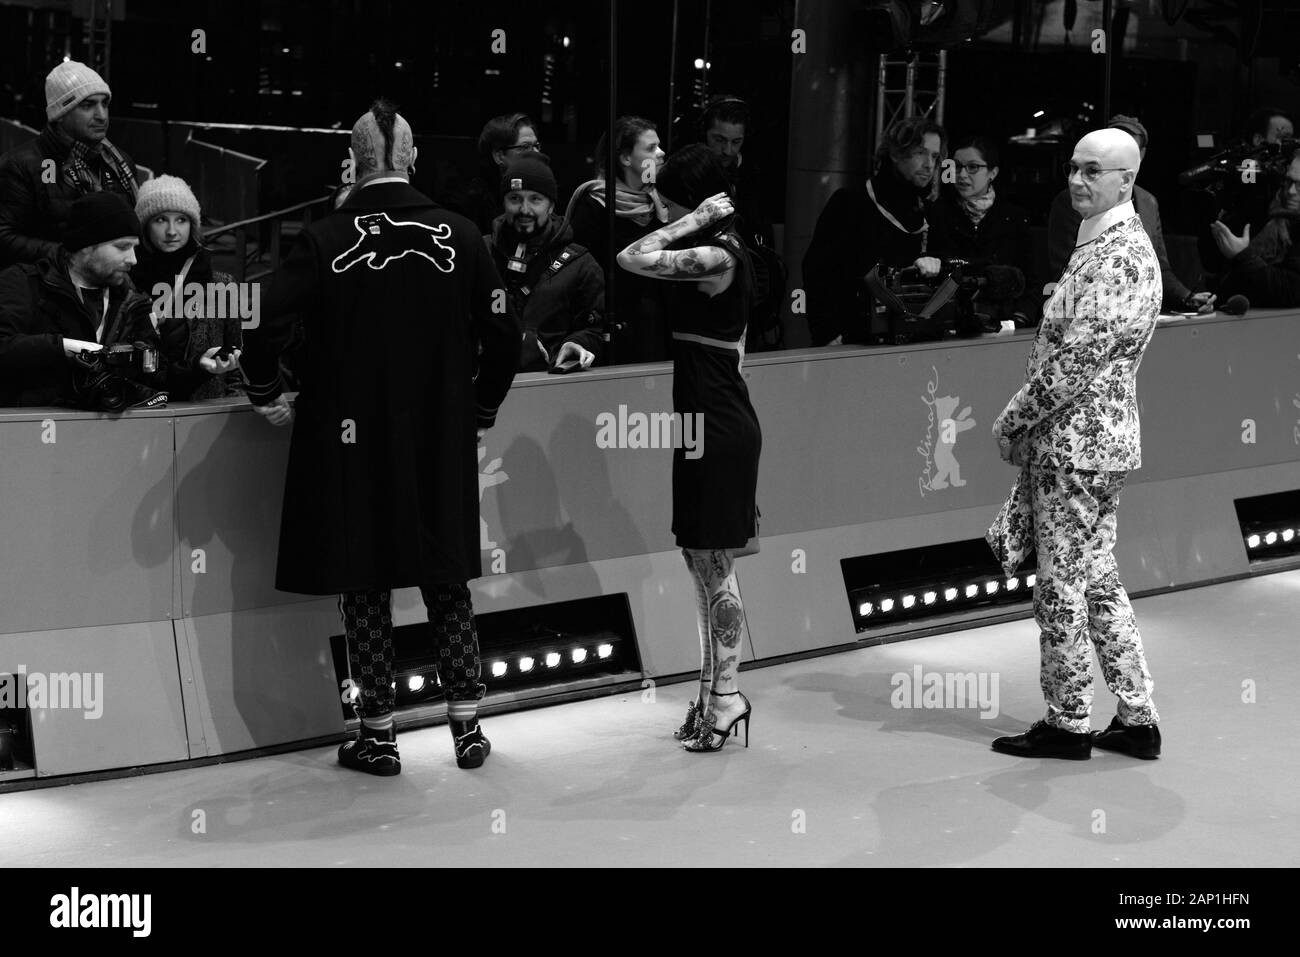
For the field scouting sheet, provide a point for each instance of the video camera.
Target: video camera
(906, 307)
(1267, 159)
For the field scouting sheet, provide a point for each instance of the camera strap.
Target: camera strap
(923, 231)
(571, 252)
(882, 293)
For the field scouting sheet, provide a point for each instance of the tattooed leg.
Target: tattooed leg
(702, 623)
(726, 615)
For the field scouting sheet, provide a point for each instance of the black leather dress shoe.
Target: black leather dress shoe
(1137, 740)
(1044, 741)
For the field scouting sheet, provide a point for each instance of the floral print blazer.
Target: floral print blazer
(1078, 405)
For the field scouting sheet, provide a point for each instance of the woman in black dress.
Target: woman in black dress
(714, 513)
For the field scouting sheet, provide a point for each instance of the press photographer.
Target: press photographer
(1238, 186)
(79, 301)
(882, 221)
(1264, 266)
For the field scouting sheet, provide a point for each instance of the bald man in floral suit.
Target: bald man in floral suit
(1074, 426)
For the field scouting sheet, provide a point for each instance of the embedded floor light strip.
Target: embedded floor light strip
(925, 601)
(561, 663)
(1264, 543)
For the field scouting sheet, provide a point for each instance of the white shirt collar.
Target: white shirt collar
(384, 179)
(1094, 226)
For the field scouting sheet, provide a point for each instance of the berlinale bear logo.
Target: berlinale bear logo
(383, 240)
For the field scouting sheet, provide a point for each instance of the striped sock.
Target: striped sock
(462, 710)
(383, 722)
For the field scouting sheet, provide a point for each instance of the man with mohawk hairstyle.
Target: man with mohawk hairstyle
(397, 297)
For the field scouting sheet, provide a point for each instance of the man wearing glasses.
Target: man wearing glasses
(1074, 426)
(1063, 223)
(1266, 269)
(503, 139)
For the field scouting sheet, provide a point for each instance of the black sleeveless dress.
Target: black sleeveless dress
(714, 494)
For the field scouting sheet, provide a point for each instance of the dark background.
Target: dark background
(318, 65)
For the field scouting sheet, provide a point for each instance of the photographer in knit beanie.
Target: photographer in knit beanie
(554, 285)
(77, 299)
(72, 157)
(169, 255)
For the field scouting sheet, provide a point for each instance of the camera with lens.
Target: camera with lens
(906, 307)
(110, 380)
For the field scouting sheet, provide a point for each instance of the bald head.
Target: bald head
(1108, 162)
(382, 142)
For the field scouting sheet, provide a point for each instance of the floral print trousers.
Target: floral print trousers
(1079, 603)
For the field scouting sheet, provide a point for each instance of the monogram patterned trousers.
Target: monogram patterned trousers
(368, 625)
(1079, 603)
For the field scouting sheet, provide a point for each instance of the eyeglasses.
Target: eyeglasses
(972, 168)
(537, 146)
(1090, 174)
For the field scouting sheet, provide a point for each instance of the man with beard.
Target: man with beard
(71, 158)
(882, 221)
(79, 299)
(554, 285)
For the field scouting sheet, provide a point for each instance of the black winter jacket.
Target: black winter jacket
(34, 213)
(39, 307)
(566, 307)
(851, 236)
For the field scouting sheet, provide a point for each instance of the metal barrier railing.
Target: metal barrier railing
(13, 133)
(228, 180)
(272, 222)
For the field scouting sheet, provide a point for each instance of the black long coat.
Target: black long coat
(396, 296)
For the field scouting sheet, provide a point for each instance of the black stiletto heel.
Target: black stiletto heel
(712, 738)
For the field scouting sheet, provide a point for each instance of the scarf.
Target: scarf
(116, 174)
(1273, 242)
(154, 266)
(976, 206)
(628, 203)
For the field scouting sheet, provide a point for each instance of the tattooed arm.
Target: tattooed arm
(649, 256)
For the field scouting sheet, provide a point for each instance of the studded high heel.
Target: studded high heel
(710, 737)
(692, 723)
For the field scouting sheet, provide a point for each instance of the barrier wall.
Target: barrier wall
(143, 549)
